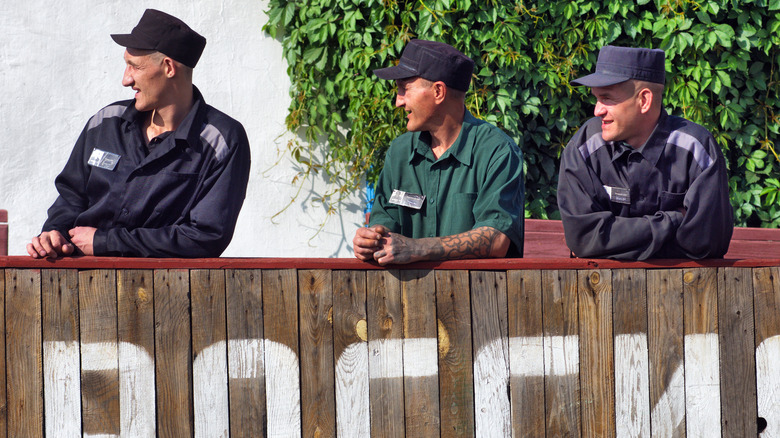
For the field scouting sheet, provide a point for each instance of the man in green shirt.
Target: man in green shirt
(451, 187)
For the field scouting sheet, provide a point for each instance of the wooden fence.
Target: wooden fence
(329, 347)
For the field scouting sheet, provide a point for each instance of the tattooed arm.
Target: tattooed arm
(482, 242)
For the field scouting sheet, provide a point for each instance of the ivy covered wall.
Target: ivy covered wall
(722, 56)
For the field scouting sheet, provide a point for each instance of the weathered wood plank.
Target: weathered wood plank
(318, 396)
(246, 362)
(421, 386)
(700, 310)
(632, 409)
(135, 313)
(736, 332)
(456, 373)
(280, 325)
(596, 353)
(562, 353)
(23, 348)
(61, 369)
(99, 352)
(665, 331)
(526, 352)
(766, 283)
(384, 319)
(491, 357)
(209, 353)
(3, 368)
(173, 352)
(350, 353)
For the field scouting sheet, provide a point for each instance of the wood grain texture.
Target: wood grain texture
(665, 343)
(246, 364)
(562, 388)
(491, 363)
(526, 332)
(384, 319)
(736, 332)
(456, 372)
(23, 352)
(135, 327)
(702, 392)
(99, 352)
(766, 283)
(318, 396)
(350, 353)
(61, 373)
(3, 366)
(596, 353)
(173, 353)
(280, 326)
(418, 294)
(632, 400)
(209, 353)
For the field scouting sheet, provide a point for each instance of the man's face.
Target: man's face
(416, 97)
(619, 109)
(145, 74)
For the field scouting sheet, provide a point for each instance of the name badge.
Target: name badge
(411, 200)
(103, 159)
(619, 195)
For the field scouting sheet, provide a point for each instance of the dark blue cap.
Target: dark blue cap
(619, 64)
(166, 34)
(433, 61)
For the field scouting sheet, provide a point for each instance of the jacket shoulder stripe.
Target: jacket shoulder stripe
(594, 143)
(106, 113)
(211, 135)
(692, 145)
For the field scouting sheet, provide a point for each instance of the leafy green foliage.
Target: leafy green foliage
(723, 58)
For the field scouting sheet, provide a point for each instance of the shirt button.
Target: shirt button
(124, 211)
(433, 201)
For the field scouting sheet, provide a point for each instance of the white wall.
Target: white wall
(58, 66)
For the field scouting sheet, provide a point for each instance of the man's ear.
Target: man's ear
(439, 91)
(169, 67)
(645, 99)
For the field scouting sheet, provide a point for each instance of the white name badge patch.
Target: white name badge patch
(103, 159)
(619, 195)
(410, 200)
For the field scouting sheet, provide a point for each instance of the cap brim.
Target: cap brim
(396, 72)
(599, 80)
(128, 40)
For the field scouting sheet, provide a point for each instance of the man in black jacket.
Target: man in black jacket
(161, 175)
(635, 182)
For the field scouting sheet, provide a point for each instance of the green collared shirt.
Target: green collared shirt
(477, 182)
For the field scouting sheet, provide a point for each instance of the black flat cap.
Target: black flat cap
(166, 34)
(619, 64)
(433, 61)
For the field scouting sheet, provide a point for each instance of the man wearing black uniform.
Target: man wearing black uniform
(161, 175)
(635, 182)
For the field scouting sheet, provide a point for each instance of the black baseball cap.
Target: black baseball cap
(619, 64)
(433, 61)
(166, 34)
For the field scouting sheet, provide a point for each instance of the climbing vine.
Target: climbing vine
(723, 62)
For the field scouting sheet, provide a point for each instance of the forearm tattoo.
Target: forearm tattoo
(477, 243)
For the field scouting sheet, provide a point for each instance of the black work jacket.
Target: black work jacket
(624, 203)
(177, 197)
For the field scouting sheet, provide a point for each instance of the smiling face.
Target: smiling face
(145, 74)
(416, 97)
(620, 110)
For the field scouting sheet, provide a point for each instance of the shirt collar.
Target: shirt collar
(461, 150)
(185, 130)
(652, 148)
